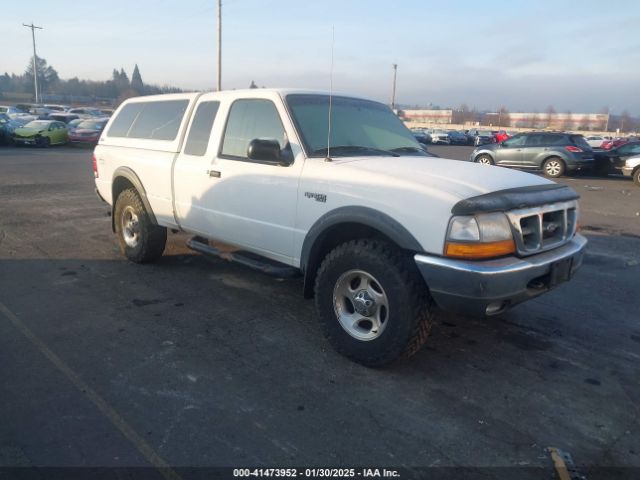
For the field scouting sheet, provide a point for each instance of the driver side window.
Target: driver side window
(250, 119)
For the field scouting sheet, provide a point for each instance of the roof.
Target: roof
(251, 92)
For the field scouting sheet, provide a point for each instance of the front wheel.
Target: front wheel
(484, 159)
(553, 167)
(636, 177)
(140, 240)
(373, 305)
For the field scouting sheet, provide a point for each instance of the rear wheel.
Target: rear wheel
(140, 240)
(484, 159)
(553, 167)
(372, 303)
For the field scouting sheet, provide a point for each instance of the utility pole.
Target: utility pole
(219, 45)
(393, 88)
(35, 65)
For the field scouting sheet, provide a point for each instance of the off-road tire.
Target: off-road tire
(487, 158)
(411, 308)
(557, 172)
(152, 238)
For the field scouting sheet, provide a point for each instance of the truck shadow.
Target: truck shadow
(203, 334)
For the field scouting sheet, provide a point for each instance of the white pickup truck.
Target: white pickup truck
(381, 233)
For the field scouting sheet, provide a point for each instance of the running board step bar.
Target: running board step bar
(247, 259)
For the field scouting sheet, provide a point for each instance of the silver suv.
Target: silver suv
(554, 153)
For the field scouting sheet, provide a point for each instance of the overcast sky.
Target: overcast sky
(525, 55)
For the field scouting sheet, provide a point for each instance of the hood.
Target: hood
(24, 131)
(86, 130)
(439, 177)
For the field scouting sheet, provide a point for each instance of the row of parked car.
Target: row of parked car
(560, 153)
(46, 125)
(472, 136)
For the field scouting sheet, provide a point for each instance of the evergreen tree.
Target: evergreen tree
(136, 81)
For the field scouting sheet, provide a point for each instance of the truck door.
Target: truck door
(241, 201)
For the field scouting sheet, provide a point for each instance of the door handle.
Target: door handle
(214, 173)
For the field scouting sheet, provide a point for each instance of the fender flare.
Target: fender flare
(130, 175)
(366, 216)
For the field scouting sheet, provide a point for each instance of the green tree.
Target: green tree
(47, 75)
(136, 81)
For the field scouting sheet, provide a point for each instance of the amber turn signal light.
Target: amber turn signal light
(478, 251)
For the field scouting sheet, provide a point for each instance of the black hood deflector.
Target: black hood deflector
(514, 198)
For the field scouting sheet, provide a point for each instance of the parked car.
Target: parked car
(595, 141)
(481, 137)
(421, 136)
(8, 126)
(41, 133)
(58, 108)
(6, 132)
(40, 111)
(63, 117)
(86, 112)
(379, 234)
(613, 160)
(74, 123)
(17, 113)
(631, 168)
(440, 136)
(500, 136)
(457, 138)
(554, 153)
(614, 143)
(87, 132)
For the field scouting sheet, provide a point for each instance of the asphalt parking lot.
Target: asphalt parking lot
(193, 362)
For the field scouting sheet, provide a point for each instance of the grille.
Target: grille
(543, 228)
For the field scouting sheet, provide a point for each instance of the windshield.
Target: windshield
(357, 127)
(90, 125)
(37, 124)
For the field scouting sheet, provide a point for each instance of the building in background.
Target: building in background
(443, 117)
(557, 121)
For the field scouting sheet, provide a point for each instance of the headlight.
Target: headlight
(486, 235)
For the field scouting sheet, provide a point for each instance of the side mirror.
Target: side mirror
(266, 150)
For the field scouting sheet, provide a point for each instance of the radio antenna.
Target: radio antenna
(333, 37)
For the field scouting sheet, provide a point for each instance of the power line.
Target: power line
(35, 64)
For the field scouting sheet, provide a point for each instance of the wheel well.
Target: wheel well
(335, 235)
(119, 185)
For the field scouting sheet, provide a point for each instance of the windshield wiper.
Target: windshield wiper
(408, 149)
(346, 149)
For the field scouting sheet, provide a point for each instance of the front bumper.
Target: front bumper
(628, 171)
(25, 140)
(84, 140)
(492, 286)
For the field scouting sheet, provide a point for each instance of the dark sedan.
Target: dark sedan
(612, 161)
